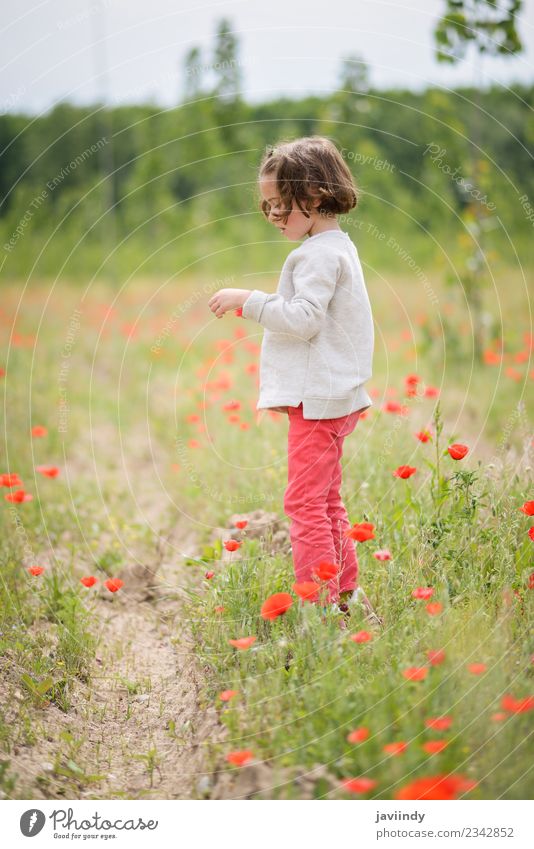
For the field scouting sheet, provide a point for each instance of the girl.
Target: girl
(317, 350)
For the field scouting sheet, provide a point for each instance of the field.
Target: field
(129, 418)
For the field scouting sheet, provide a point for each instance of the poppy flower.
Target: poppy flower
(48, 471)
(431, 392)
(10, 480)
(517, 705)
(232, 544)
(325, 571)
(241, 523)
(531, 533)
(457, 451)
(434, 608)
(36, 570)
(358, 735)
(18, 496)
(219, 608)
(476, 668)
(361, 531)
(395, 748)
(439, 723)
(435, 656)
(415, 673)
(531, 581)
(306, 590)
(528, 508)
(232, 405)
(239, 758)
(440, 786)
(113, 584)
(422, 592)
(243, 642)
(361, 637)
(404, 472)
(226, 695)
(39, 430)
(499, 717)
(423, 435)
(276, 605)
(89, 581)
(359, 785)
(209, 575)
(382, 554)
(434, 747)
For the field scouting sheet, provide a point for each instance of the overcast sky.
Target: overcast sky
(54, 50)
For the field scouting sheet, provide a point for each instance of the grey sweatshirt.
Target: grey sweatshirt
(319, 337)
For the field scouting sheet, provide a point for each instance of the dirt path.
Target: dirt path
(137, 725)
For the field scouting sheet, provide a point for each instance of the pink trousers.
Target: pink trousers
(313, 501)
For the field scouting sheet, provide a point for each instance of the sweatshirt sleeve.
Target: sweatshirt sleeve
(314, 278)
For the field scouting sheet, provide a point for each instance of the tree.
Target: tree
(193, 71)
(490, 26)
(226, 64)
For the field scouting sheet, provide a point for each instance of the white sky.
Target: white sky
(54, 50)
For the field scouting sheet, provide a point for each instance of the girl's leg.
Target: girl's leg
(312, 457)
(344, 546)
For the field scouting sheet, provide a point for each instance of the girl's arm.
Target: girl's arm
(314, 277)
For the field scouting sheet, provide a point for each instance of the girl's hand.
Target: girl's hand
(227, 299)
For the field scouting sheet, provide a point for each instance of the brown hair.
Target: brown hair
(305, 169)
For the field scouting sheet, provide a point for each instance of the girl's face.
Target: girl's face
(296, 226)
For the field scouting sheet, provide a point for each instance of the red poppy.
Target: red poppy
(89, 581)
(48, 471)
(528, 508)
(439, 723)
(361, 531)
(359, 785)
(241, 523)
(415, 673)
(36, 570)
(517, 705)
(441, 786)
(10, 480)
(243, 642)
(434, 608)
(209, 575)
(232, 405)
(239, 758)
(382, 554)
(531, 581)
(325, 571)
(276, 605)
(404, 472)
(395, 748)
(422, 592)
(361, 637)
(226, 695)
(113, 584)
(431, 392)
(499, 717)
(435, 656)
(434, 747)
(18, 496)
(358, 735)
(476, 668)
(232, 544)
(39, 430)
(457, 451)
(219, 608)
(423, 435)
(306, 590)
(531, 533)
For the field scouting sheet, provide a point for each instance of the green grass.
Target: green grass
(456, 528)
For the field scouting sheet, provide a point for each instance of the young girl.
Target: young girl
(317, 349)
